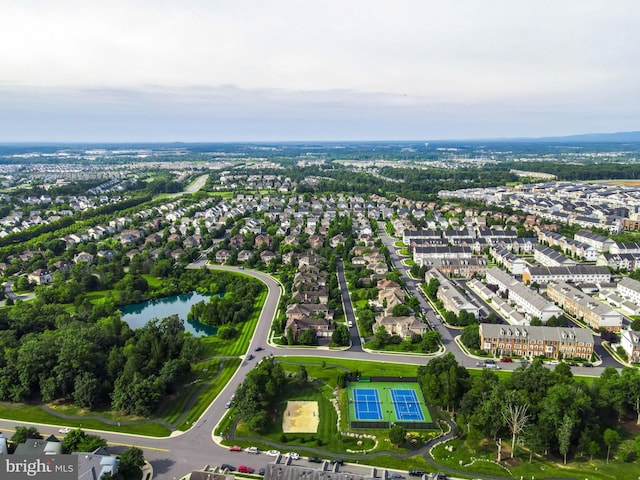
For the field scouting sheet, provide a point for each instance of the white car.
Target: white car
(253, 450)
(293, 455)
(273, 453)
(64, 430)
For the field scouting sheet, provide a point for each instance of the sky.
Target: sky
(286, 70)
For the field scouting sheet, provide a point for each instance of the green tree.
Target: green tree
(341, 336)
(534, 441)
(397, 435)
(22, 433)
(611, 439)
(301, 375)
(565, 431)
(432, 288)
(87, 390)
(401, 310)
(594, 448)
(635, 325)
(430, 341)
(470, 336)
(308, 337)
(381, 337)
(131, 460)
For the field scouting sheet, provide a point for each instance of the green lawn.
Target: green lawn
(98, 296)
(329, 369)
(204, 398)
(479, 459)
(214, 346)
(325, 436)
(397, 347)
(154, 282)
(37, 415)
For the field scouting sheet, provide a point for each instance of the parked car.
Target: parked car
(490, 361)
(226, 466)
(235, 448)
(493, 366)
(273, 453)
(253, 450)
(440, 476)
(506, 359)
(315, 460)
(245, 469)
(293, 455)
(64, 430)
(553, 362)
(416, 472)
(396, 476)
(481, 364)
(250, 356)
(339, 461)
(262, 471)
(589, 365)
(227, 405)
(259, 349)
(572, 364)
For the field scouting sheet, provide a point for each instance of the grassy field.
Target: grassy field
(37, 415)
(205, 397)
(479, 459)
(329, 369)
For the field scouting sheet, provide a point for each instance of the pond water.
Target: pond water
(138, 314)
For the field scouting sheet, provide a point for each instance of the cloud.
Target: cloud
(157, 113)
(369, 68)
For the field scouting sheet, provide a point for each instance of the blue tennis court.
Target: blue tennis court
(367, 404)
(406, 405)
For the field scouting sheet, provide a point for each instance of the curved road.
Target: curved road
(175, 456)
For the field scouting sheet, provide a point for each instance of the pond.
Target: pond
(138, 314)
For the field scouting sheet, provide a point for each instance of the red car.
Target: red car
(506, 359)
(235, 448)
(245, 469)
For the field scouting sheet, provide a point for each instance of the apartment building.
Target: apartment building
(528, 302)
(629, 288)
(452, 299)
(422, 253)
(570, 273)
(548, 257)
(458, 267)
(584, 307)
(527, 341)
(599, 242)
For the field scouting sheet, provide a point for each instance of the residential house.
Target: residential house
(630, 341)
(404, 327)
(222, 256)
(267, 257)
(40, 277)
(83, 257)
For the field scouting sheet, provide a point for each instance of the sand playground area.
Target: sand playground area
(301, 417)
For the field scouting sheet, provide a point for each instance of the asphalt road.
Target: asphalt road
(175, 456)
